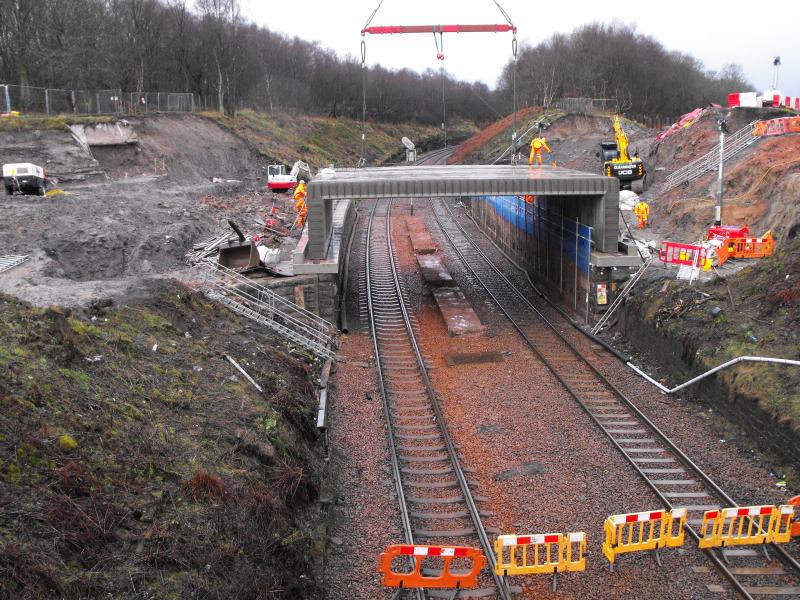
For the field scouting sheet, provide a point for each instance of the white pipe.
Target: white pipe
(730, 363)
(243, 372)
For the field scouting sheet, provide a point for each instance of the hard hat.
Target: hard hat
(302, 181)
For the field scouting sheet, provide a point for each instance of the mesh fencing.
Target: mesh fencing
(28, 99)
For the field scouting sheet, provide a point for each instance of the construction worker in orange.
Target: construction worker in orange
(300, 190)
(537, 144)
(300, 203)
(642, 212)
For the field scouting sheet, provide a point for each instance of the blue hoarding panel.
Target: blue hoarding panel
(539, 221)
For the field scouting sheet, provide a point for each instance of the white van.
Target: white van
(25, 178)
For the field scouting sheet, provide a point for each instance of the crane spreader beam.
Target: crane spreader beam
(383, 29)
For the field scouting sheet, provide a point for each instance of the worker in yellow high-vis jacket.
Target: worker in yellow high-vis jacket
(537, 144)
(642, 212)
(300, 203)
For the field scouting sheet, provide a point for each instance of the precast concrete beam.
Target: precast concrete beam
(601, 193)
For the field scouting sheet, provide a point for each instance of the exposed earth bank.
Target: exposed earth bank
(671, 322)
(136, 462)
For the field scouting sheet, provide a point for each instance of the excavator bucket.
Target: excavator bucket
(239, 256)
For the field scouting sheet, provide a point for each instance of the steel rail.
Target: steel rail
(404, 516)
(785, 557)
(435, 156)
(474, 514)
(682, 457)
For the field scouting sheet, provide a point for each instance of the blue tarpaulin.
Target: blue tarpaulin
(538, 221)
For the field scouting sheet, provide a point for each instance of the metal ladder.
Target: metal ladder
(12, 260)
(621, 296)
(734, 144)
(267, 308)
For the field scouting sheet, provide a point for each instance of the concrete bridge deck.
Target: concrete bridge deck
(594, 199)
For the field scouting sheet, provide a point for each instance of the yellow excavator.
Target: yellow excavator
(618, 163)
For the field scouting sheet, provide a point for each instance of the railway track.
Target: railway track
(436, 157)
(436, 502)
(675, 479)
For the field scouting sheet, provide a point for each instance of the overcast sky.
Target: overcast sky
(716, 33)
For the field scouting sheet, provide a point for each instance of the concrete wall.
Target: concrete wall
(315, 293)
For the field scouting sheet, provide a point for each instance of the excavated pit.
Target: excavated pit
(136, 199)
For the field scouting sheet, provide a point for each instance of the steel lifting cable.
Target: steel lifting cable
(513, 81)
(440, 56)
(514, 98)
(440, 29)
(363, 160)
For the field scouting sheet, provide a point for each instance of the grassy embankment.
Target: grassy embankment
(760, 316)
(31, 122)
(135, 461)
(321, 141)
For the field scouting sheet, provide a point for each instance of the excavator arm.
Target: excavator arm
(617, 162)
(622, 141)
(301, 168)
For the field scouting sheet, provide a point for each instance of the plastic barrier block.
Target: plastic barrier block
(544, 553)
(635, 532)
(447, 579)
(745, 525)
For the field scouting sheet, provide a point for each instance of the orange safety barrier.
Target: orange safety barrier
(682, 254)
(722, 254)
(795, 530)
(739, 526)
(771, 127)
(746, 248)
(450, 579)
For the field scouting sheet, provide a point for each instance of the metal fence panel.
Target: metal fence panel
(60, 101)
(30, 99)
(27, 99)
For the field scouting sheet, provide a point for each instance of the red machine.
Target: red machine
(723, 232)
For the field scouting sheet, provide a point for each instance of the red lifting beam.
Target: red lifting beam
(439, 29)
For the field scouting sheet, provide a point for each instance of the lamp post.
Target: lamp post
(722, 126)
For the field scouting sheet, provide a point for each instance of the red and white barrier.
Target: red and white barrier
(770, 98)
(677, 513)
(433, 550)
(638, 517)
(524, 540)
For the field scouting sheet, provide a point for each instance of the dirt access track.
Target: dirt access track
(129, 213)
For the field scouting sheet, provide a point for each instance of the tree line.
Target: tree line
(612, 61)
(208, 48)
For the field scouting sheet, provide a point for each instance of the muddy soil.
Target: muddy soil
(187, 149)
(129, 216)
(55, 150)
(575, 140)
